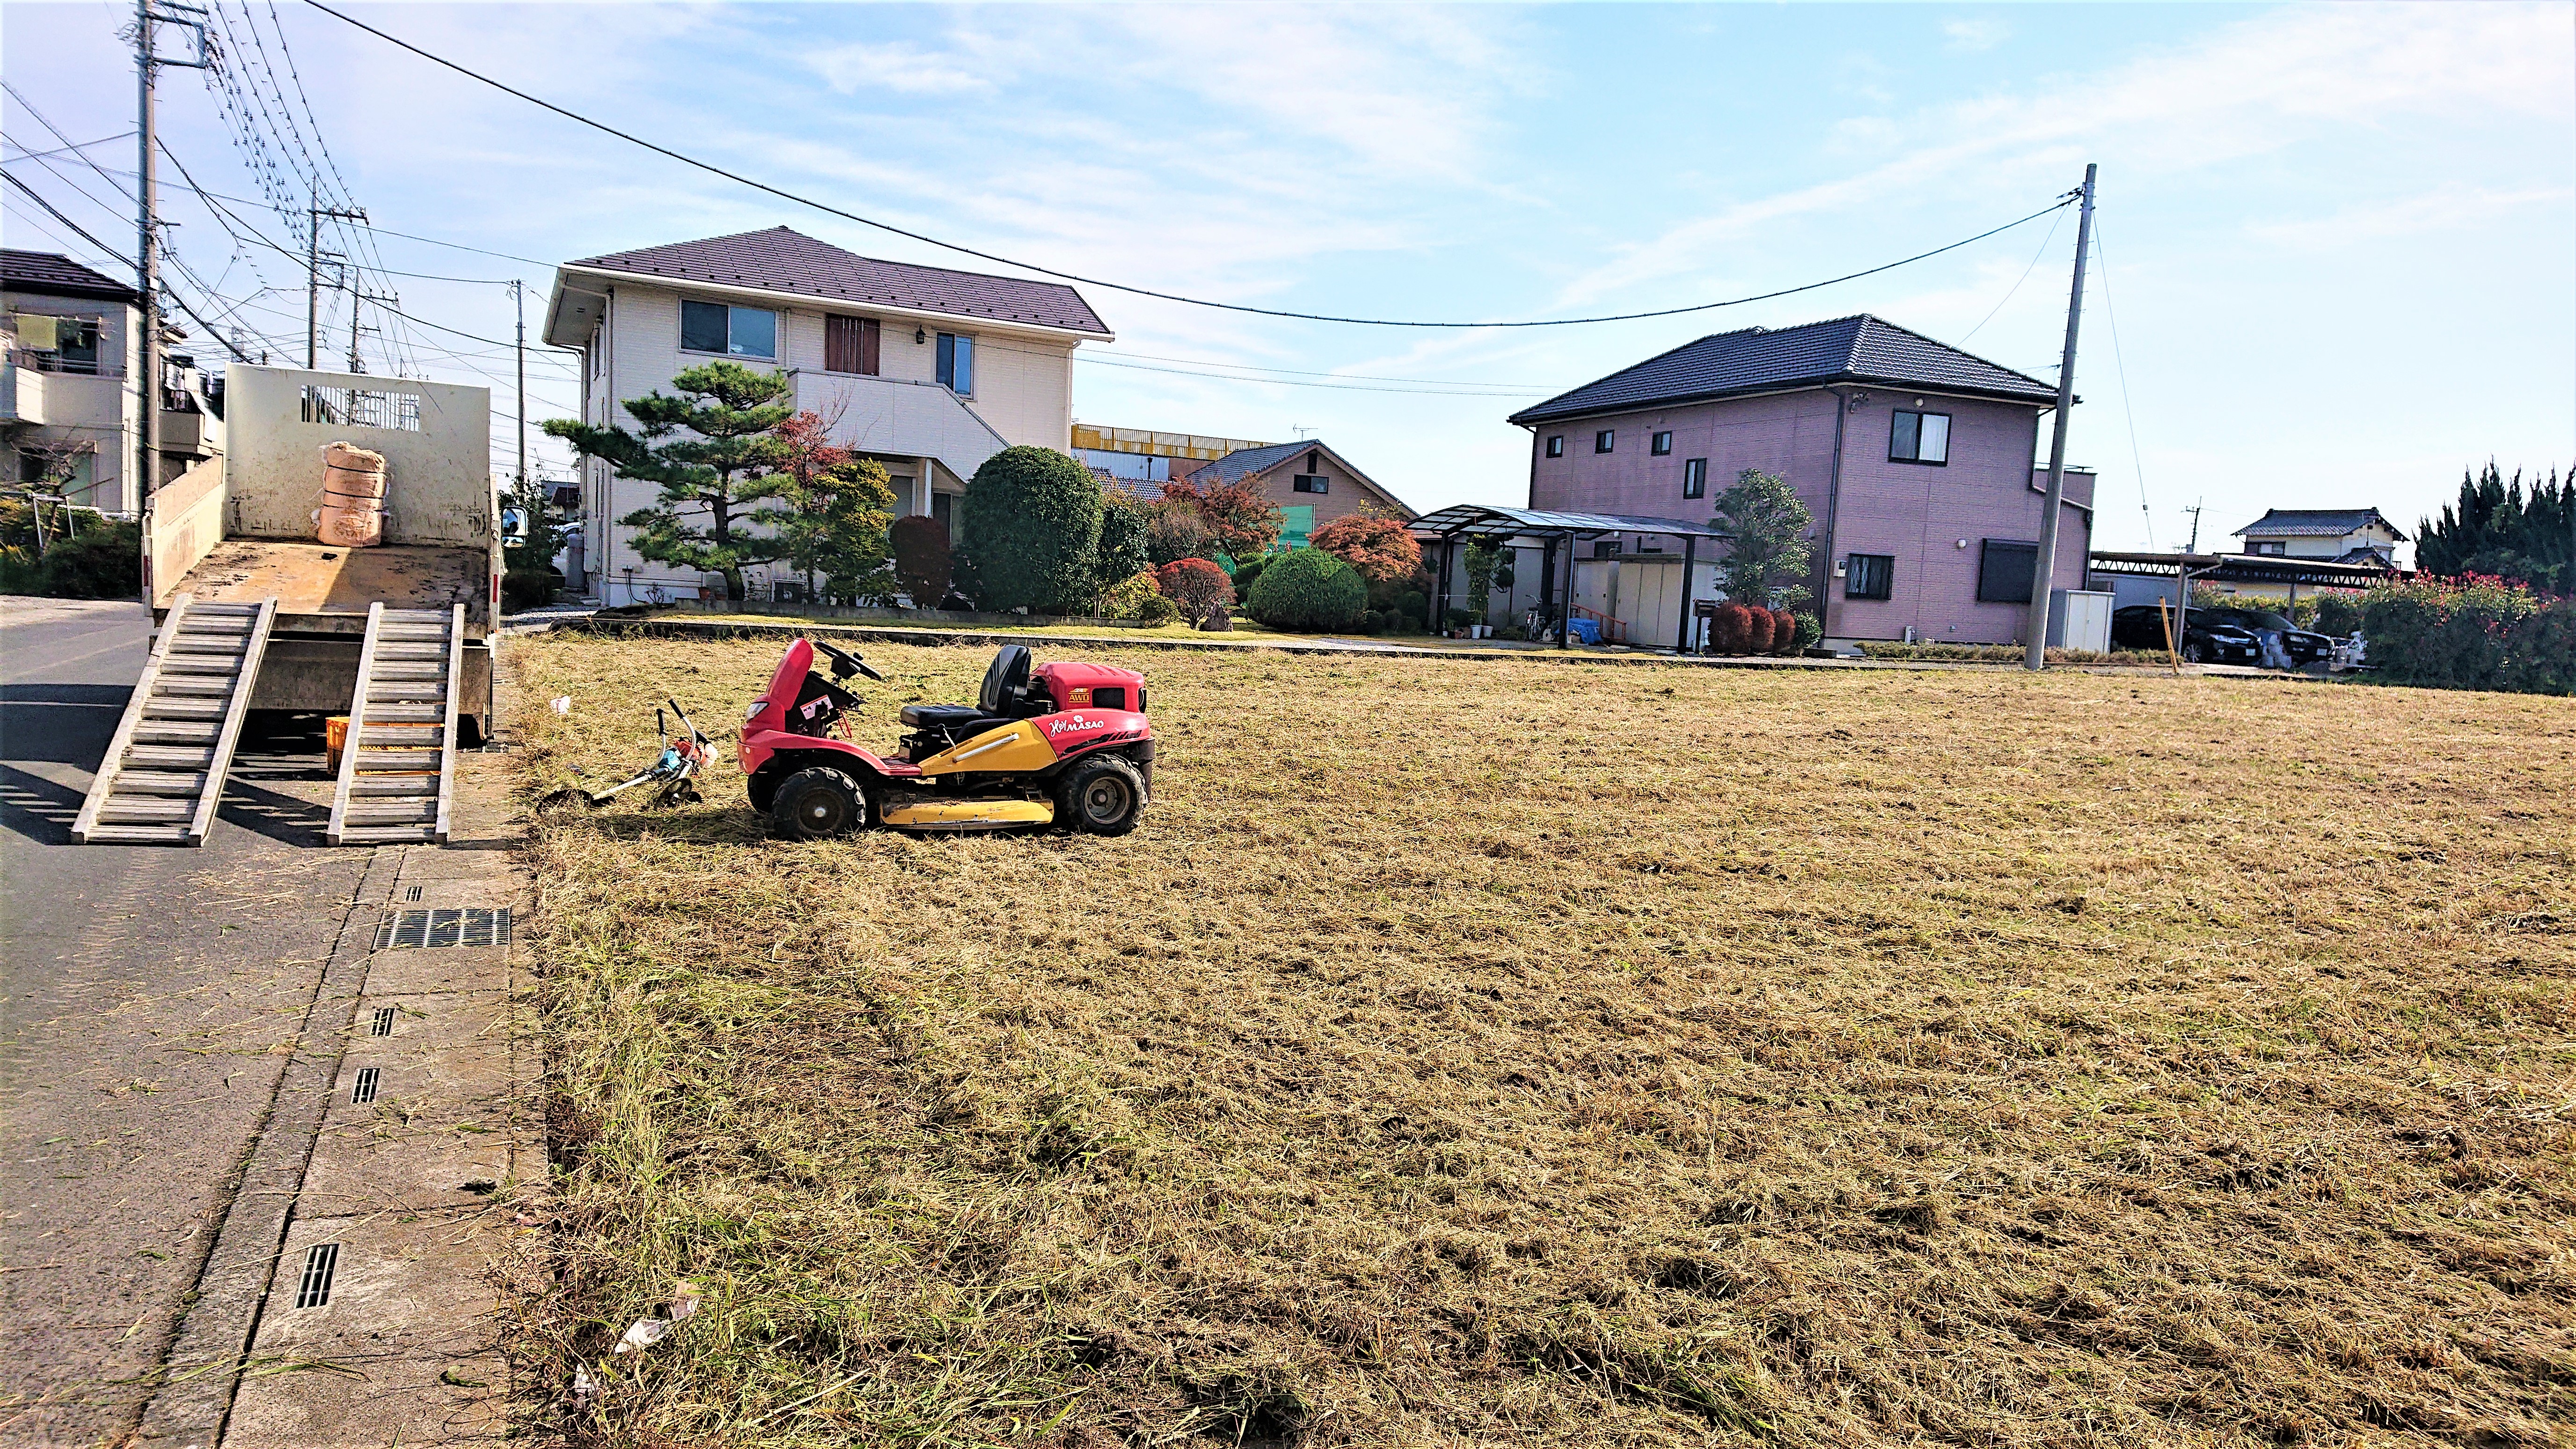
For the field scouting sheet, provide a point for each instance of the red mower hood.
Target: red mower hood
(783, 685)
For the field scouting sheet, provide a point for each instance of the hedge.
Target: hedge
(1031, 518)
(2475, 631)
(1308, 588)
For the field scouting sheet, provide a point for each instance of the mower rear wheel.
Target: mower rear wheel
(1101, 796)
(818, 803)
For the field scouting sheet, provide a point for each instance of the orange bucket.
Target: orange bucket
(335, 739)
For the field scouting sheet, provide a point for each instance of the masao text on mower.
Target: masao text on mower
(1062, 744)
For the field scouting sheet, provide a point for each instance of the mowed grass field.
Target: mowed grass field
(1470, 1053)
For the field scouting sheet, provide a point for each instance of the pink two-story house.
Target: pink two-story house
(1914, 457)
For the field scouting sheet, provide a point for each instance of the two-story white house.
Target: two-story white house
(2342, 535)
(928, 370)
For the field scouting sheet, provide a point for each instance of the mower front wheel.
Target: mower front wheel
(818, 803)
(1101, 796)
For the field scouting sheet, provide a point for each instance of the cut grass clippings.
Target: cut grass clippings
(1488, 1053)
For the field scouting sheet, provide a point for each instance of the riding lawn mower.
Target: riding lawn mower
(1059, 744)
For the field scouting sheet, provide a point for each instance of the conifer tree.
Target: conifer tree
(715, 453)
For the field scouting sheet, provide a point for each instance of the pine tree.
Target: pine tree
(720, 463)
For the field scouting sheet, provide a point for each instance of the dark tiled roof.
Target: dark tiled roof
(1759, 359)
(2316, 522)
(58, 275)
(1242, 463)
(1143, 490)
(2362, 553)
(781, 260)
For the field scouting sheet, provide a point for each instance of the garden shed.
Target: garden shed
(1617, 572)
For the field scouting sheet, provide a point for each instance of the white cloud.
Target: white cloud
(902, 67)
(2255, 87)
(2440, 209)
(1974, 35)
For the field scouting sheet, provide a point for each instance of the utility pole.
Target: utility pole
(520, 291)
(313, 216)
(146, 348)
(2044, 568)
(147, 268)
(2194, 545)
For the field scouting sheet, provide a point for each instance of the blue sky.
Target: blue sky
(2336, 239)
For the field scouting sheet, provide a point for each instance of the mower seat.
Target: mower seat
(940, 716)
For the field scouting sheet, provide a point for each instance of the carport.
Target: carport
(2188, 569)
(1551, 532)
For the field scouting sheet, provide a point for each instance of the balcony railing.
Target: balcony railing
(56, 362)
(906, 419)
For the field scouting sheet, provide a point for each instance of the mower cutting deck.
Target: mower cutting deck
(1061, 744)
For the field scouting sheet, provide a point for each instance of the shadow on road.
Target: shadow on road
(37, 808)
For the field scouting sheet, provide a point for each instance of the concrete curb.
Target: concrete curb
(986, 638)
(213, 1341)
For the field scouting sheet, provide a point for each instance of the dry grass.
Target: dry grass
(1514, 1053)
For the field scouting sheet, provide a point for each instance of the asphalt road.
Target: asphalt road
(149, 999)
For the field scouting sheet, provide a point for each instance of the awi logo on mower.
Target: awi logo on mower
(1073, 724)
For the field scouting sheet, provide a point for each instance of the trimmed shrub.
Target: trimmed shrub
(2471, 632)
(1246, 570)
(1157, 610)
(1731, 631)
(1126, 598)
(1308, 588)
(921, 560)
(2338, 613)
(1784, 631)
(1809, 630)
(1120, 552)
(1032, 516)
(1200, 588)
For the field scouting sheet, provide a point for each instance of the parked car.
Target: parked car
(2205, 640)
(2304, 645)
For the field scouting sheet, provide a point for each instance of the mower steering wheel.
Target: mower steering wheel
(845, 664)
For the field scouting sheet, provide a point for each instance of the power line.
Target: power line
(2136, 461)
(83, 233)
(1288, 382)
(785, 195)
(2024, 277)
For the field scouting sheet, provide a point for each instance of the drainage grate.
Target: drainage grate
(411, 893)
(476, 927)
(315, 1290)
(384, 1022)
(365, 1091)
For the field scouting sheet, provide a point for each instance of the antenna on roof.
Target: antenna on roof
(1302, 431)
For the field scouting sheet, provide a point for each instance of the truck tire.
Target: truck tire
(1101, 796)
(817, 804)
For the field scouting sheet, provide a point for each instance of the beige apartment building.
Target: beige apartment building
(926, 369)
(68, 406)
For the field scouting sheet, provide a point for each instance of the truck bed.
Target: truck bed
(324, 589)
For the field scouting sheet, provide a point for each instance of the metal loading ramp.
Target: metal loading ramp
(398, 763)
(164, 769)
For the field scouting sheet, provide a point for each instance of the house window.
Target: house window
(1314, 462)
(1556, 445)
(1920, 438)
(957, 364)
(2270, 548)
(732, 331)
(1310, 483)
(2004, 571)
(1869, 576)
(59, 344)
(1695, 478)
(1602, 440)
(1662, 446)
(851, 344)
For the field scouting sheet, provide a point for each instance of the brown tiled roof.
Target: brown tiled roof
(57, 275)
(781, 260)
